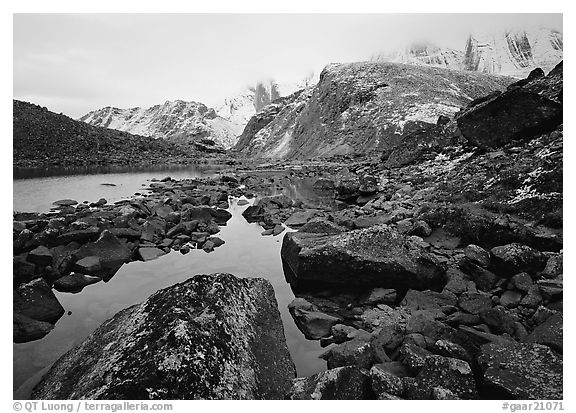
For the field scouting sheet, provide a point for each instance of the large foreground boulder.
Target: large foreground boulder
(521, 371)
(373, 257)
(210, 337)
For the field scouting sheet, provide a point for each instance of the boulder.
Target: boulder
(478, 255)
(356, 352)
(110, 250)
(210, 337)
(41, 256)
(514, 114)
(27, 329)
(37, 301)
(74, 283)
(371, 257)
(343, 383)
(310, 321)
(88, 265)
(383, 381)
(300, 218)
(150, 253)
(499, 320)
(521, 371)
(368, 185)
(508, 260)
(380, 296)
(549, 333)
(449, 373)
(65, 202)
(475, 303)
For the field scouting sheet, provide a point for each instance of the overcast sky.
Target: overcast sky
(74, 63)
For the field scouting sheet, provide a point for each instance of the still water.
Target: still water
(245, 254)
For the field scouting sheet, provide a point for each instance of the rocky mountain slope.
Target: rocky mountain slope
(362, 107)
(178, 121)
(511, 52)
(42, 138)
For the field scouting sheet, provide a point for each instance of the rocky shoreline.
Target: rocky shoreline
(434, 271)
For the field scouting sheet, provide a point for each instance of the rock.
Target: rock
(242, 202)
(88, 265)
(347, 188)
(549, 333)
(380, 296)
(510, 299)
(428, 300)
(533, 298)
(499, 320)
(439, 393)
(150, 253)
(109, 249)
(515, 114)
(368, 185)
(254, 213)
(522, 281)
(356, 352)
(220, 216)
(125, 232)
(210, 337)
(27, 329)
(164, 211)
(372, 257)
(511, 259)
(65, 202)
(478, 255)
(81, 236)
(553, 267)
(41, 256)
(475, 303)
(421, 229)
(342, 333)
(521, 371)
(23, 271)
(37, 301)
(277, 230)
(313, 323)
(484, 279)
(413, 357)
(216, 242)
(208, 246)
(457, 281)
(449, 349)
(449, 373)
(343, 383)
(551, 289)
(383, 381)
(74, 283)
(300, 218)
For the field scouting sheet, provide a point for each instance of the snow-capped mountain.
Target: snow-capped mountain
(509, 52)
(174, 120)
(424, 54)
(514, 52)
(240, 108)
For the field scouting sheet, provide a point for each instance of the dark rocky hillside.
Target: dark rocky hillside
(44, 138)
(364, 107)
